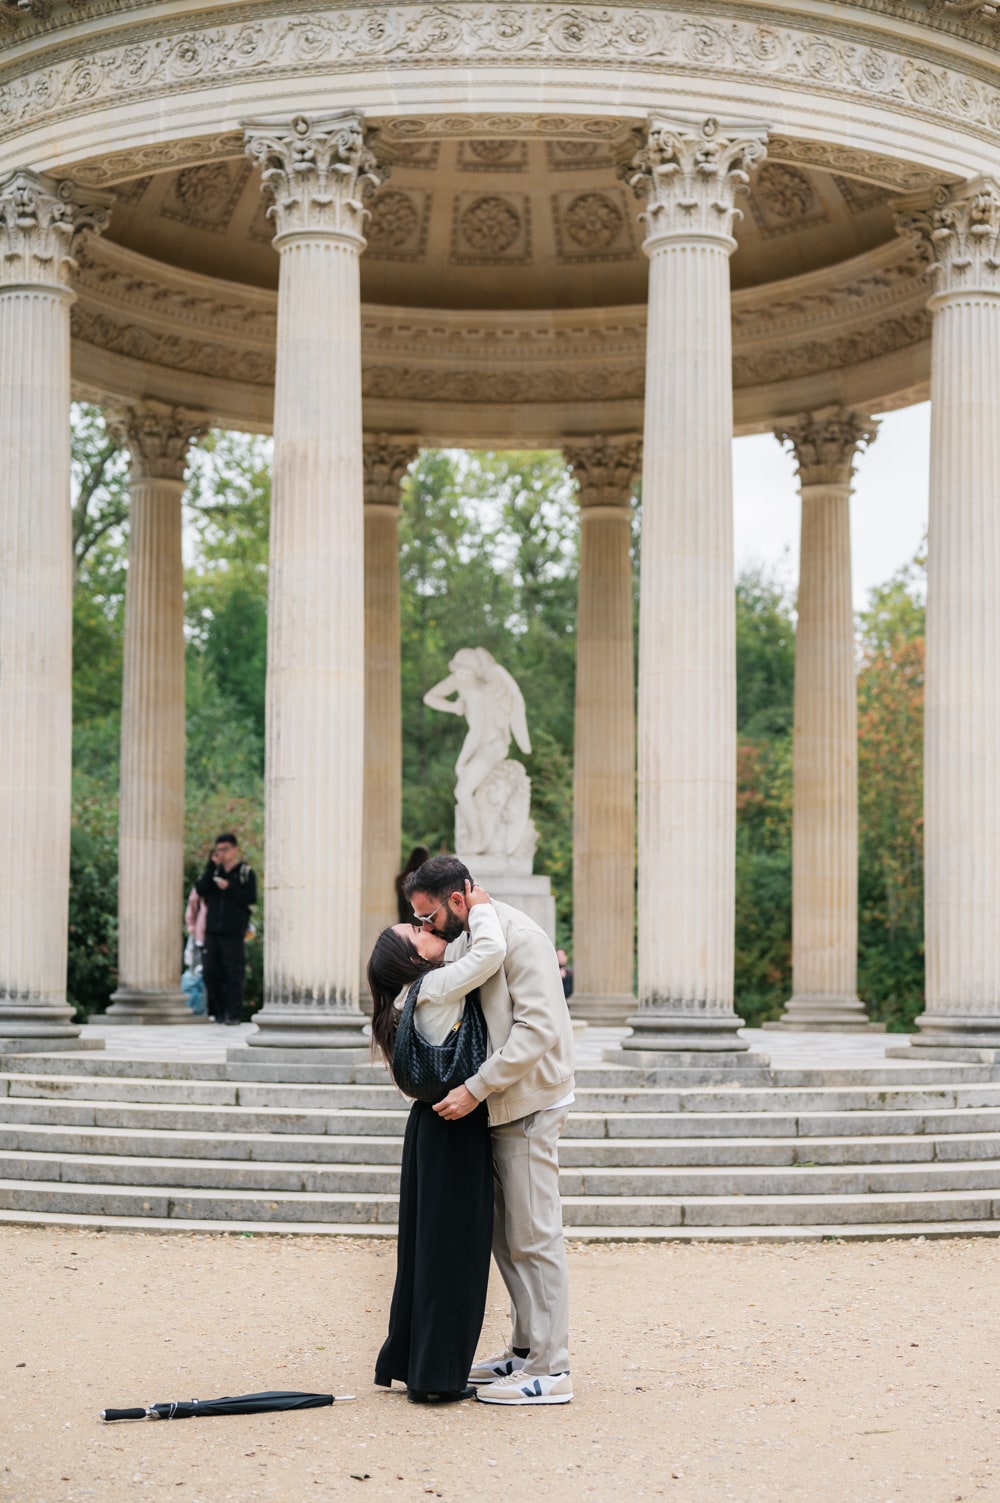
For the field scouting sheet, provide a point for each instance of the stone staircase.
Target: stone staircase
(901, 1150)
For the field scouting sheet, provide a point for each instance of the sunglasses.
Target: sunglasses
(426, 918)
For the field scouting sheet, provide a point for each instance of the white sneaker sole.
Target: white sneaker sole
(523, 1399)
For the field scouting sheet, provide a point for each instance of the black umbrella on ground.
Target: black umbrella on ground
(243, 1403)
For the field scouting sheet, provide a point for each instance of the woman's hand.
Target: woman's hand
(474, 895)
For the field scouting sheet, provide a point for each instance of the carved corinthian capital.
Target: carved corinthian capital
(158, 438)
(40, 220)
(316, 173)
(825, 447)
(604, 468)
(690, 176)
(962, 234)
(386, 462)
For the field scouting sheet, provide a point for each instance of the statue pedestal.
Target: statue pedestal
(519, 888)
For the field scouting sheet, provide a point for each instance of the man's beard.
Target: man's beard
(452, 928)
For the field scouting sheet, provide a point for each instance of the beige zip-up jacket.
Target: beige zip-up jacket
(531, 1035)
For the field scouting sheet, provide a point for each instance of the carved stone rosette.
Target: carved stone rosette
(825, 778)
(690, 178)
(605, 470)
(39, 221)
(151, 800)
(316, 173)
(386, 459)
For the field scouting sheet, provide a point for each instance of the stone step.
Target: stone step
(272, 1208)
(363, 1179)
(750, 1100)
(189, 1118)
(831, 1232)
(575, 1153)
(355, 1071)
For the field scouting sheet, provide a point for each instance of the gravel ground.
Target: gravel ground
(862, 1372)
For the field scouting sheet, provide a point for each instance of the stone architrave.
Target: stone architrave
(151, 805)
(962, 689)
(689, 177)
(605, 470)
(825, 776)
(40, 220)
(386, 460)
(316, 172)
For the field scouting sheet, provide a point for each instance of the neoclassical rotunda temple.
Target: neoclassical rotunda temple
(627, 231)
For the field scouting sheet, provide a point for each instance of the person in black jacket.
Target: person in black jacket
(229, 888)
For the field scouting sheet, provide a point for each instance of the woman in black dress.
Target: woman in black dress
(446, 1176)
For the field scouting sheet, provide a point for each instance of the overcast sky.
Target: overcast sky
(888, 508)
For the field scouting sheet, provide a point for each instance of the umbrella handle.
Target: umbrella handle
(117, 1414)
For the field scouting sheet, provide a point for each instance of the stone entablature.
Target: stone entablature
(180, 322)
(932, 88)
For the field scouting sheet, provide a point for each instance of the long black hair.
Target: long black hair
(394, 963)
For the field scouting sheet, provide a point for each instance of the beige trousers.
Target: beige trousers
(528, 1237)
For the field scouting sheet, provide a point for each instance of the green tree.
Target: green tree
(890, 798)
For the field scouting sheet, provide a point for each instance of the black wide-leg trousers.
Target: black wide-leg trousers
(223, 967)
(443, 1252)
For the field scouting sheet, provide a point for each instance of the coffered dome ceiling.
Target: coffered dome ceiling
(501, 223)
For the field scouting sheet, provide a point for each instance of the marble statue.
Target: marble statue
(492, 793)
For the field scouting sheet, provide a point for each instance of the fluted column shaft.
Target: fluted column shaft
(687, 646)
(151, 801)
(386, 460)
(825, 777)
(39, 220)
(962, 695)
(604, 734)
(314, 171)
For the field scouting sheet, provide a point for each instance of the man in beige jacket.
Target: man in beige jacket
(527, 1083)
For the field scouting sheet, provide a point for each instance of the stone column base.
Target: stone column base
(608, 1010)
(48, 1022)
(132, 1006)
(955, 1031)
(676, 1031)
(692, 1066)
(816, 1013)
(308, 1028)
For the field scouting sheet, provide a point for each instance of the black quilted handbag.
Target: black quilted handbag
(427, 1072)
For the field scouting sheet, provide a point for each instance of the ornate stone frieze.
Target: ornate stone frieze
(387, 459)
(316, 171)
(40, 220)
(826, 446)
(462, 385)
(157, 436)
(962, 233)
(138, 161)
(147, 62)
(604, 468)
(152, 346)
(689, 177)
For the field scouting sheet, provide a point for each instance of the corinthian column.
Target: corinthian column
(386, 461)
(604, 752)
(687, 627)
(315, 172)
(39, 222)
(151, 804)
(825, 779)
(962, 696)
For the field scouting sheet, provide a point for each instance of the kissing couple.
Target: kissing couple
(480, 1163)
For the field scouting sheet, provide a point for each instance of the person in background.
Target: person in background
(229, 888)
(416, 858)
(566, 972)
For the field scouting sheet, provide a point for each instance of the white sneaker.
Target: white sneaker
(528, 1388)
(492, 1368)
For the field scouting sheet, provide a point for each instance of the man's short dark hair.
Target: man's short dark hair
(438, 877)
(228, 839)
